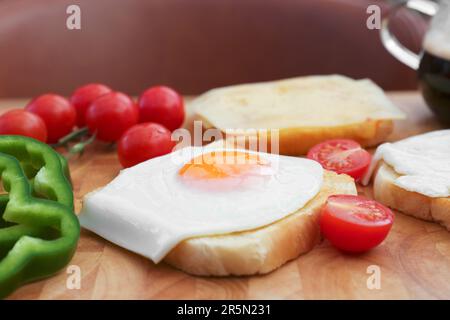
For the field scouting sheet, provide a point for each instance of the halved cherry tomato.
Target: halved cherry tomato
(110, 115)
(23, 123)
(57, 113)
(354, 223)
(341, 156)
(83, 96)
(142, 142)
(162, 105)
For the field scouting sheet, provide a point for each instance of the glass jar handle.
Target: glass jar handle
(391, 43)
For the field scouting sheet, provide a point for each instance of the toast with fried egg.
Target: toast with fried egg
(215, 211)
(304, 110)
(264, 249)
(413, 176)
(436, 209)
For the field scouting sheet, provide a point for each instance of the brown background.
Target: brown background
(193, 45)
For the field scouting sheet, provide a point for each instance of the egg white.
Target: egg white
(148, 209)
(422, 161)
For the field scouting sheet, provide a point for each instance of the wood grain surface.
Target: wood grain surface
(414, 260)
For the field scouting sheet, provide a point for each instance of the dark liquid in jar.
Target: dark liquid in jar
(434, 81)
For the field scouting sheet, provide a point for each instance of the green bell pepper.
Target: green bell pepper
(39, 230)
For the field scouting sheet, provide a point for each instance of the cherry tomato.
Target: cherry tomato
(142, 142)
(84, 96)
(354, 223)
(58, 114)
(162, 105)
(341, 156)
(110, 115)
(23, 123)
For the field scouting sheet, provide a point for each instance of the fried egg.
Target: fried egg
(153, 206)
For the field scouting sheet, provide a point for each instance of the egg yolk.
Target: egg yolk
(227, 168)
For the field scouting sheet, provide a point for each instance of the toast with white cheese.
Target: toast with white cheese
(264, 249)
(410, 203)
(304, 110)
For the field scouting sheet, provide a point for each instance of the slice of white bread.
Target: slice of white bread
(410, 203)
(264, 249)
(305, 110)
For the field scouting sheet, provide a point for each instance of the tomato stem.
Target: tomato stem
(70, 137)
(78, 149)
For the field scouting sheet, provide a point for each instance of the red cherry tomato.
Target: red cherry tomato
(110, 115)
(341, 156)
(142, 142)
(23, 123)
(84, 96)
(57, 113)
(162, 105)
(354, 223)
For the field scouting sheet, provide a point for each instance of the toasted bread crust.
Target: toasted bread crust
(261, 250)
(297, 141)
(410, 203)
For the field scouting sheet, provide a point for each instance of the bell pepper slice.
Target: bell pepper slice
(39, 230)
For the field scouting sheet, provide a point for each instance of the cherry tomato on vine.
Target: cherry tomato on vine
(110, 115)
(83, 96)
(23, 123)
(341, 156)
(142, 142)
(57, 113)
(355, 224)
(162, 105)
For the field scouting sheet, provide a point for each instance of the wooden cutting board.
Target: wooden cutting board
(413, 262)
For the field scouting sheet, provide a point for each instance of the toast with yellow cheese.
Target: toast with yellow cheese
(264, 249)
(304, 110)
(410, 203)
